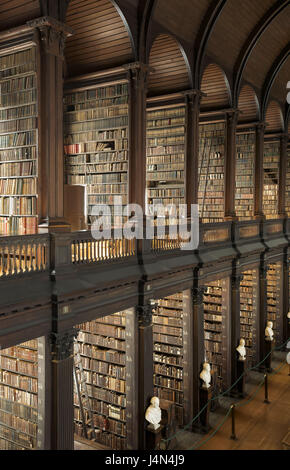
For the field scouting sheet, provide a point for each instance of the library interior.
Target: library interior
(158, 103)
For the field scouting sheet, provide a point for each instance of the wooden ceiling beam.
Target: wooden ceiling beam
(203, 36)
(271, 77)
(145, 12)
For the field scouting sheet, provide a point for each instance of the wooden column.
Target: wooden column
(282, 176)
(192, 108)
(52, 35)
(259, 173)
(137, 76)
(197, 347)
(61, 390)
(286, 320)
(145, 368)
(44, 397)
(188, 374)
(230, 164)
(235, 323)
(263, 309)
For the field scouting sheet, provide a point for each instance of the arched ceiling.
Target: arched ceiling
(181, 17)
(100, 38)
(248, 105)
(170, 71)
(232, 28)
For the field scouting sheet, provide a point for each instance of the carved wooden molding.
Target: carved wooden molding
(53, 34)
(61, 344)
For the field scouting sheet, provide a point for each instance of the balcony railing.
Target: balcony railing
(23, 254)
(85, 249)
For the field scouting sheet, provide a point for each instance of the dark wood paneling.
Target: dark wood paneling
(248, 105)
(274, 117)
(170, 69)
(215, 85)
(100, 38)
(17, 12)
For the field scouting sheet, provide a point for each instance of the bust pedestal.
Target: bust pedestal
(153, 438)
(268, 349)
(205, 395)
(241, 366)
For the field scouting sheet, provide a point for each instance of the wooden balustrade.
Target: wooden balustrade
(23, 254)
(85, 249)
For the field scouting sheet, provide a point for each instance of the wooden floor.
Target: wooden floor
(259, 426)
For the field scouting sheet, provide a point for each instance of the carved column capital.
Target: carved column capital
(144, 313)
(236, 280)
(138, 73)
(61, 344)
(263, 272)
(197, 295)
(232, 117)
(52, 33)
(261, 126)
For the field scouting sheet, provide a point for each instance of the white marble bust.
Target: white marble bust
(205, 375)
(153, 414)
(269, 333)
(242, 350)
(288, 316)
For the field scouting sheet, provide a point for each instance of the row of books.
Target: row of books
(88, 147)
(27, 56)
(271, 178)
(18, 206)
(25, 153)
(100, 168)
(168, 340)
(103, 157)
(18, 139)
(274, 276)
(213, 328)
(18, 84)
(86, 126)
(104, 178)
(15, 225)
(98, 112)
(96, 93)
(96, 104)
(18, 186)
(18, 98)
(16, 169)
(18, 113)
(18, 396)
(26, 124)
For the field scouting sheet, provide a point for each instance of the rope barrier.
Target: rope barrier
(237, 405)
(227, 391)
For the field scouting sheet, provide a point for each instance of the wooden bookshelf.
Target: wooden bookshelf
(19, 397)
(271, 179)
(245, 174)
(274, 299)
(249, 315)
(216, 318)
(96, 144)
(165, 179)
(211, 163)
(106, 352)
(168, 352)
(18, 142)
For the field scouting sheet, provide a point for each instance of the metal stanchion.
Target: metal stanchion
(233, 436)
(266, 389)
